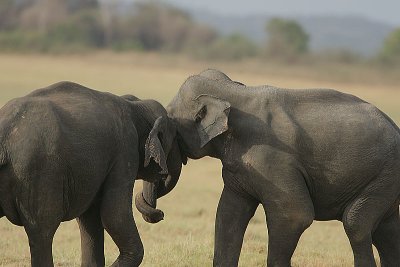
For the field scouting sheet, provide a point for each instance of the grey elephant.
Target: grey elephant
(67, 151)
(303, 155)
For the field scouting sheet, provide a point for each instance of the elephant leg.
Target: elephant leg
(233, 215)
(40, 235)
(358, 230)
(117, 216)
(92, 237)
(41, 209)
(285, 226)
(386, 239)
(363, 215)
(40, 243)
(289, 211)
(284, 234)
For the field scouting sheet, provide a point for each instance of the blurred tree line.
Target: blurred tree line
(79, 25)
(48, 25)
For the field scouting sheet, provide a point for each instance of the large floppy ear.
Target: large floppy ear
(153, 148)
(211, 117)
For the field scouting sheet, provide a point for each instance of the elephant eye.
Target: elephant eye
(201, 114)
(197, 119)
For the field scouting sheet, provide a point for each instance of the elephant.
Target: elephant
(67, 151)
(304, 155)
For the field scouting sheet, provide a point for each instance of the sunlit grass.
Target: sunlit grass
(185, 237)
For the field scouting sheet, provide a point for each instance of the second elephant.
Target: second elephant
(303, 155)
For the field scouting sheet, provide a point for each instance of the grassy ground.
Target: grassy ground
(185, 238)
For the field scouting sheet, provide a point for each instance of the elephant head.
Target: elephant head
(161, 159)
(200, 113)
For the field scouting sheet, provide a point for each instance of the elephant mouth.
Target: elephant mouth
(183, 150)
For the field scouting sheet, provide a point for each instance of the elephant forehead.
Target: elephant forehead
(182, 108)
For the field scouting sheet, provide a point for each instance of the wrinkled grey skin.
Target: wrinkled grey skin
(68, 152)
(304, 155)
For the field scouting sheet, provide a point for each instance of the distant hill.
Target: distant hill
(356, 34)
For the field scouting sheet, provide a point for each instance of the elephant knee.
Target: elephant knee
(300, 221)
(132, 256)
(303, 221)
(139, 254)
(356, 229)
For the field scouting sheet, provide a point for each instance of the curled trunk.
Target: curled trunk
(147, 205)
(146, 201)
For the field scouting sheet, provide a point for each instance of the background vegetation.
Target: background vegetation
(78, 26)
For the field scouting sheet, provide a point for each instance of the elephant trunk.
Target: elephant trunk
(146, 201)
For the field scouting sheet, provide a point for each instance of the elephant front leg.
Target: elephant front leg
(233, 215)
(288, 216)
(284, 234)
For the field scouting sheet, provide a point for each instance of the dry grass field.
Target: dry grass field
(185, 237)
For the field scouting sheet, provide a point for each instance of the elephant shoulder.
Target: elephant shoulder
(130, 98)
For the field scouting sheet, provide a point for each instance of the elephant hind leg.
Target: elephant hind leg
(386, 239)
(92, 237)
(40, 243)
(363, 215)
(117, 216)
(40, 207)
(40, 229)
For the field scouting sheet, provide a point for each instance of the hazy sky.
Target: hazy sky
(382, 10)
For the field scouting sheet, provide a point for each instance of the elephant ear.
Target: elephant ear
(153, 147)
(211, 117)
